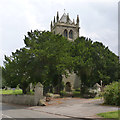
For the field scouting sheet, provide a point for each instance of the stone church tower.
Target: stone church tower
(70, 30)
(65, 26)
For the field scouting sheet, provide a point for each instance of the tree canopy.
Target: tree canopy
(46, 57)
(94, 62)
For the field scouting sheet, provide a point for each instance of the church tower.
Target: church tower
(70, 30)
(65, 26)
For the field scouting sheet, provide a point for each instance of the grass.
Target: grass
(11, 92)
(76, 94)
(113, 114)
(14, 92)
(95, 98)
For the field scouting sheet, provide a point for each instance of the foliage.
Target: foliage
(49, 95)
(14, 92)
(76, 94)
(11, 92)
(70, 94)
(111, 94)
(2, 80)
(113, 114)
(63, 93)
(77, 89)
(16, 69)
(83, 62)
(45, 58)
(93, 62)
(96, 98)
(106, 64)
(51, 57)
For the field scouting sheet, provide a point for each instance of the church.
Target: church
(69, 29)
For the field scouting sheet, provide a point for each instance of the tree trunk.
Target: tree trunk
(82, 90)
(24, 90)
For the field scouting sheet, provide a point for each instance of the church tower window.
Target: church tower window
(65, 33)
(71, 34)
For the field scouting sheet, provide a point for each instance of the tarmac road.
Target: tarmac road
(17, 111)
(71, 108)
(76, 107)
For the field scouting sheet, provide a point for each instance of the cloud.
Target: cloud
(98, 20)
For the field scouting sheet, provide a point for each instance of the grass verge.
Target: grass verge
(113, 114)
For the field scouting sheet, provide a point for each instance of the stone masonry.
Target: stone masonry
(69, 29)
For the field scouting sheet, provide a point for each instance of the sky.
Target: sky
(98, 20)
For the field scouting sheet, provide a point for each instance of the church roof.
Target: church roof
(64, 19)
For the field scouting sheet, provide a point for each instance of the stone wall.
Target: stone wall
(25, 99)
(19, 99)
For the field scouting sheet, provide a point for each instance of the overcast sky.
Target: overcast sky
(98, 20)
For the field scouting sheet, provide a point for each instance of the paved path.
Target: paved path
(75, 107)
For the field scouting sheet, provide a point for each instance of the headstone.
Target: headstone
(38, 93)
(31, 86)
(97, 89)
(97, 86)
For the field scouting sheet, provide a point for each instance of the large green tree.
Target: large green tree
(83, 62)
(17, 67)
(51, 57)
(106, 64)
(45, 58)
(93, 62)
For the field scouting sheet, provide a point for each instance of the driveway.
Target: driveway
(75, 107)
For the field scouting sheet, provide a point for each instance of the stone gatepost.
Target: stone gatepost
(38, 93)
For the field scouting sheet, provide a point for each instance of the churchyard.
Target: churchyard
(64, 101)
(51, 67)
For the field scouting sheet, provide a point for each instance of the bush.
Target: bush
(76, 94)
(111, 94)
(49, 95)
(63, 93)
(77, 89)
(70, 94)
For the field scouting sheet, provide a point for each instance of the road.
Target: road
(71, 108)
(76, 107)
(17, 111)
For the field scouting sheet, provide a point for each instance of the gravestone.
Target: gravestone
(38, 93)
(97, 87)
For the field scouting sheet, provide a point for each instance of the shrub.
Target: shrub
(76, 94)
(49, 95)
(111, 94)
(66, 94)
(63, 93)
(77, 89)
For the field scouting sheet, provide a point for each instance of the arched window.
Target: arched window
(65, 33)
(71, 34)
